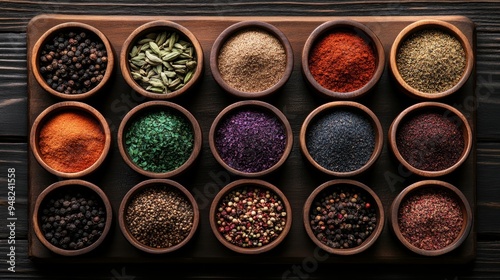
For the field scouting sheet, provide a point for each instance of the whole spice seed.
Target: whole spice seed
(430, 219)
(430, 141)
(159, 141)
(341, 140)
(159, 216)
(251, 216)
(342, 62)
(162, 62)
(72, 218)
(71, 141)
(252, 60)
(250, 140)
(431, 60)
(73, 62)
(343, 217)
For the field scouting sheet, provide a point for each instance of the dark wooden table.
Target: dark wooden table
(14, 16)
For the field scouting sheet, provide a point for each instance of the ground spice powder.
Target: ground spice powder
(430, 219)
(71, 141)
(252, 60)
(430, 141)
(342, 62)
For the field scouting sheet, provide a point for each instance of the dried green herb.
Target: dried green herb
(159, 141)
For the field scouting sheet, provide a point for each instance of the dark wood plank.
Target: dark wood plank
(487, 266)
(16, 14)
(13, 89)
(295, 179)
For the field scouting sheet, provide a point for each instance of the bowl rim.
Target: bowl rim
(431, 24)
(65, 184)
(69, 106)
(368, 36)
(422, 106)
(35, 53)
(143, 107)
(141, 186)
(262, 106)
(351, 105)
(464, 206)
(367, 243)
(149, 27)
(263, 185)
(228, 33)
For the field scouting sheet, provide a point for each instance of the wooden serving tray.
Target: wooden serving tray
(296, 178)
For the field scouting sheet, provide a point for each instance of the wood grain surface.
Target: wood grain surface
(14, 17)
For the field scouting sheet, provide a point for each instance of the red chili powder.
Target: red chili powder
(342, 62)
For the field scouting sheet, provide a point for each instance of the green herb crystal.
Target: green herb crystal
(159, 141)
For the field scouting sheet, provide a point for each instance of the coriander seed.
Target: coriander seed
(431, 60)
(159, 216)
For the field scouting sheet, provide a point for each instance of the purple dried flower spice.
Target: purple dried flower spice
(250, 140)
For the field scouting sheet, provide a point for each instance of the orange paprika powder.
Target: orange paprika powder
(71, 141)
(342, 61)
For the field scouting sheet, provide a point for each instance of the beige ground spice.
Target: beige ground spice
(252, 60)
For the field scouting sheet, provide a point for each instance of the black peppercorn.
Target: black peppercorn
(64, 55)
(63, 223)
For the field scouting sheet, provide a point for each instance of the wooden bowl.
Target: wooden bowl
(260, 106)
(440, 186)
(352, 107)
(431, 24)
(449, 112)
(143, 186)
(335, 185)
(62, 107)
(229, 33)
(350, 26)
(240, 185)
(158, 105)
(71, 187)
(70, 27)
(155, 27)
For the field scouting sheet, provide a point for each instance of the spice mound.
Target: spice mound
(72, 218)
(343, 217)
(342, 61)
(251, 216)
(73, 62)
(252, 60)
(430, 141)
(71, 141)
(159, 216)
(431, 61)
(341, 140)
(159, 141)
(430, 219)
(250, 140)
(162, 62)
